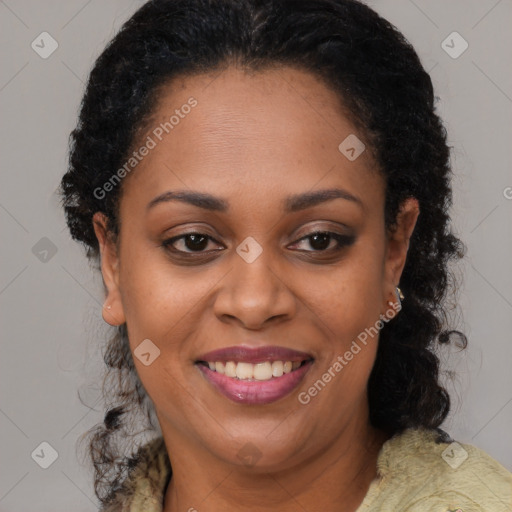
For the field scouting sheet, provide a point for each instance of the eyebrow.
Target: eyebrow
(299, 202)
(292, 203)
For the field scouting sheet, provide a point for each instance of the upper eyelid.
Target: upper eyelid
(201, 230)
(305, 235)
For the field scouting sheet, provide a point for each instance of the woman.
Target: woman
(264, 183)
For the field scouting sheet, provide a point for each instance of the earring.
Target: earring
(108, 307)
(399, 297)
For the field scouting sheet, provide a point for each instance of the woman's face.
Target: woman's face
(260, 147)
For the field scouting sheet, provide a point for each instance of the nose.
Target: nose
(254, 294)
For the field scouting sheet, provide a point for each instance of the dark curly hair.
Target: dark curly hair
(388, 96)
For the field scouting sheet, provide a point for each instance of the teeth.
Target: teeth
(258, 371)
(244, 370)
(230, 369)
(262, 371)
(277, 368)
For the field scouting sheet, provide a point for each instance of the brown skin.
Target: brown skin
(254, 139)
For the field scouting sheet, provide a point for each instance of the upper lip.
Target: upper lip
(245, 354)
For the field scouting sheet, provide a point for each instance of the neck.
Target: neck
(338, 478)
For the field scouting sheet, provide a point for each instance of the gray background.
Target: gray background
(51, 310)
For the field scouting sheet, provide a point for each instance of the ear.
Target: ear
(397, 245)
(112, 311)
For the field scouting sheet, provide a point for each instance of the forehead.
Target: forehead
(268, 132)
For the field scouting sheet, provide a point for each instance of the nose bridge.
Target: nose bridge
(253, 292)
(253, 271)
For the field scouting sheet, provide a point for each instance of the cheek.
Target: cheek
(153, 304)
(156, 300)
(158, 306)
(349, 307)
(174, 403)
(351, 299)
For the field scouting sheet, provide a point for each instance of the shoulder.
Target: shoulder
(424, 470)
(143, 488)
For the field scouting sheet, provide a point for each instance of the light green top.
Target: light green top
(414, 474)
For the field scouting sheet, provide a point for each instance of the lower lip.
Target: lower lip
(256, 392)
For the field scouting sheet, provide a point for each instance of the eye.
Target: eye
(320, 241)
(195, 242)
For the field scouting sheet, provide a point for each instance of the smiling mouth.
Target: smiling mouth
(262, 371)
(254, 375)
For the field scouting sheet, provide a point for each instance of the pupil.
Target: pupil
(324, 243)
(198, 242)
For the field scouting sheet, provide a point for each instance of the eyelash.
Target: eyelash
(342, 242)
